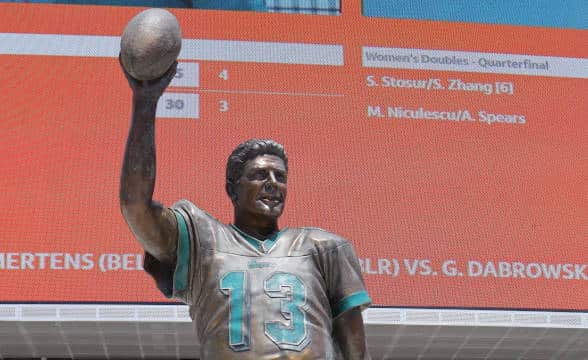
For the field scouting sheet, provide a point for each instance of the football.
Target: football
(150, 44)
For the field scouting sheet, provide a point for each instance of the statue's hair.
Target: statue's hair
(249, 150)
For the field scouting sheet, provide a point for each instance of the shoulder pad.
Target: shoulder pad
(322, 239)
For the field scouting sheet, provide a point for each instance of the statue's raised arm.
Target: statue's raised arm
(152, 224)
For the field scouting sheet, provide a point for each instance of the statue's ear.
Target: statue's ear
(230, 188)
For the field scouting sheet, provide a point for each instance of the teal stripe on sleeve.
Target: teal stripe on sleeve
(357, 299)
(183, 255)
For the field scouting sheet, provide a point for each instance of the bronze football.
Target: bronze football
(150, 44)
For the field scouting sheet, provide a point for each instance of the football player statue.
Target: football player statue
(255, 291)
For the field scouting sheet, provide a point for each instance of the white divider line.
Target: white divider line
(192, 49)
(258, 92)
(267, 52)
(464, 317)
(373, 316)
(59, 45)
(479, 62)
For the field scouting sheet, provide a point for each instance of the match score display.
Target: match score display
(451, 154)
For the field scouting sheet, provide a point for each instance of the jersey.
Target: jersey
(272, 299)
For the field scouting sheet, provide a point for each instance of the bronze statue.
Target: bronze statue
(255, 291)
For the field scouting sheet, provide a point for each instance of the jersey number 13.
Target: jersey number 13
(288, 288)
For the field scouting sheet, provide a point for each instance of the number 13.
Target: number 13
(280, 285)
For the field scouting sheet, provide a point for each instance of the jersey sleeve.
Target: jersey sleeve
(195, 229)
(181, 280)
(345, 286)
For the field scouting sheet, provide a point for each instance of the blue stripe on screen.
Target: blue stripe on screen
(545, 13)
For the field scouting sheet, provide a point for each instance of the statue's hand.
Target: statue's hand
(150, 89)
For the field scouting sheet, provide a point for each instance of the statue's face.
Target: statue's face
(261, 189)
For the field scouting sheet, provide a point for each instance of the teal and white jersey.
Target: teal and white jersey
(272, 299)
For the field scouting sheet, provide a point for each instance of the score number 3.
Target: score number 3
(279, 285)
(223, 106)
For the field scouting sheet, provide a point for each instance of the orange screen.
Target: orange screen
(452, 155)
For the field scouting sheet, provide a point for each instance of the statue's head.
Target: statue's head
(256, 177)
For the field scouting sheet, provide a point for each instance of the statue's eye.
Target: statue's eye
(259, 175)
(280, 177)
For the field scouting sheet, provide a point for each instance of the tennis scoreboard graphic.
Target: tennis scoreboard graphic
(451, 153)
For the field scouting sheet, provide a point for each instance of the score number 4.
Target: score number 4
(224, 74)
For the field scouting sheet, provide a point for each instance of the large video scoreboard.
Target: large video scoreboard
(450, 151)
